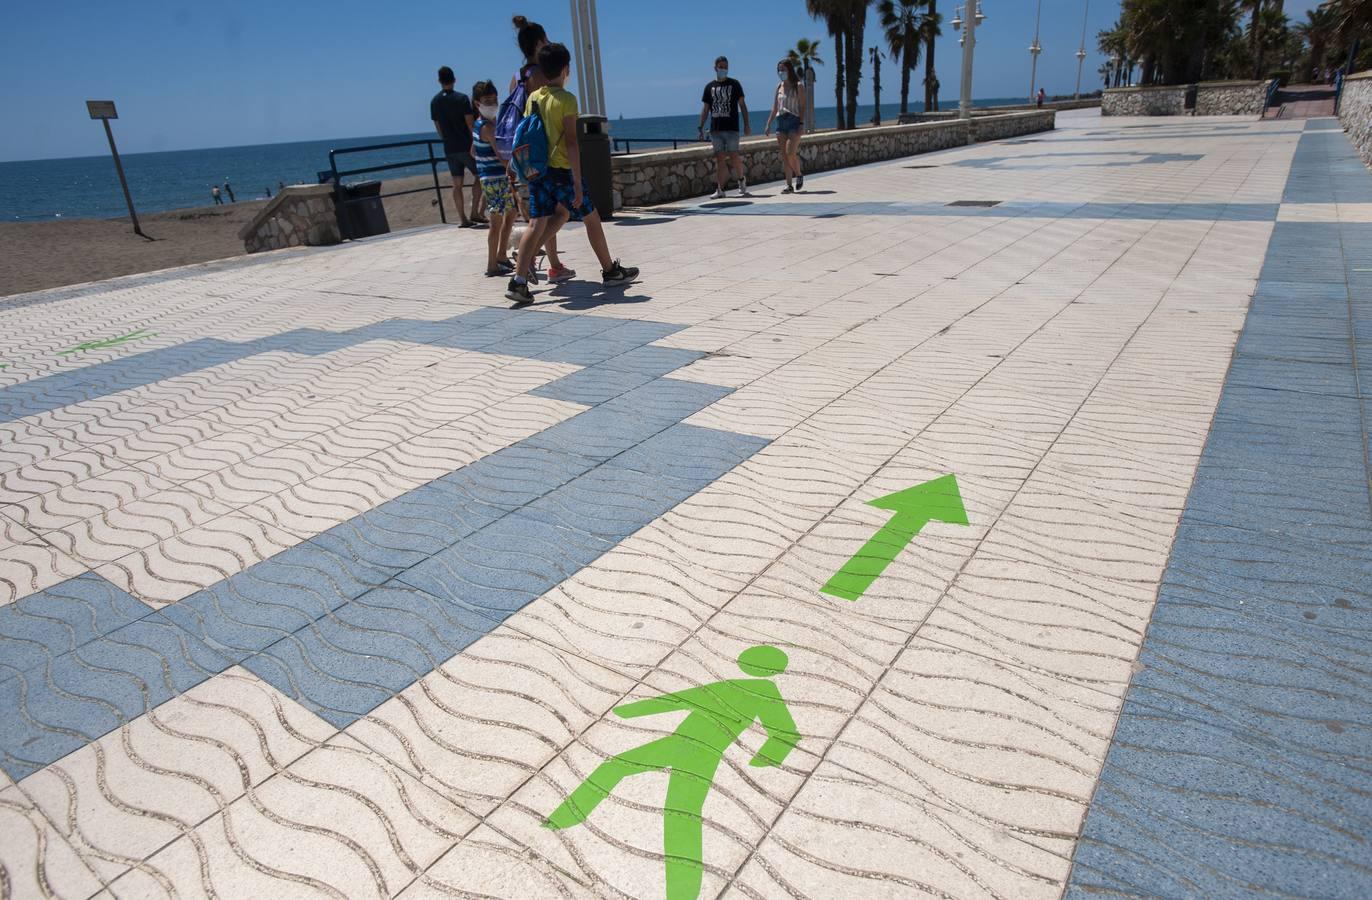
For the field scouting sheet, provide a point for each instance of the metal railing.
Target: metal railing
(1272, 90)
(628, 143)
(336, 175)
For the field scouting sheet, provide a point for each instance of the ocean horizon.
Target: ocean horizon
(87, 187)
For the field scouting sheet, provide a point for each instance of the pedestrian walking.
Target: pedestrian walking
(453, 118)
(214, 192)
(722, 102)
(494, 175)
(531, 38)
(228, 189)
(1042, 96)
(786, 112)
(556, 191)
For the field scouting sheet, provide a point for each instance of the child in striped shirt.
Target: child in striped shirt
(494, 174)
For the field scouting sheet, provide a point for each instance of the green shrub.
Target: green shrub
(1283, 76)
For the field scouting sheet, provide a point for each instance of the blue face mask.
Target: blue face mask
(721, 74)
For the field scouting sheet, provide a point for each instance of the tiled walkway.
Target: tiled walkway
(321, 573)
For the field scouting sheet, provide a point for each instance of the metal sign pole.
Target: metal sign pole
(593, 27)
(104, 111)
(969, 44)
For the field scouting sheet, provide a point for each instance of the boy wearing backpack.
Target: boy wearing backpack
(553, 170)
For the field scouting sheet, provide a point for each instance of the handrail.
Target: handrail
(629, 142)
(1272, 90)
(336, 176)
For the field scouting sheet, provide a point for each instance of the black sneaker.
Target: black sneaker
(519, 292)
(800, 182)
(618, 274)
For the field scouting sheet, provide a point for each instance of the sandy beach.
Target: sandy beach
(38, 255)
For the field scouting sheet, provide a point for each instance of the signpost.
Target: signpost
(104, 111)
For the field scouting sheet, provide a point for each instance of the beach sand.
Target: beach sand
(38, 255)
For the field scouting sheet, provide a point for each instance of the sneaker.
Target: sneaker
(618, 274)
(743, 189)
(560, 273)
(788, 190)
(718, 194)
(800, 182)
(519, 292)
(534, 277)
(500, 271)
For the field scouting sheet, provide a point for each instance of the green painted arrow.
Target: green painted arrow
(914, 508)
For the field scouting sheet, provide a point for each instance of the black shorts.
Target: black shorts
(459, 161)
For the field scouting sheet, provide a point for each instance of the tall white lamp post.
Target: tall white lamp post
(1034, 50)
(1081, 51)
(969, 43)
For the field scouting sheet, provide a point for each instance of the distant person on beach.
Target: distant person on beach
(280, 186)
(214, 192)
(1043, 95)
(229, 190)
(559, 187)
(722, 102)
(786, 110)
(494, 175)
(451, 111)
(531, 38)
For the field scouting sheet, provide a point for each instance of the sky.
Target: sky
(198, 74)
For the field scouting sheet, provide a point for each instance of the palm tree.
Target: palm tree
(1318, 30)
(831, 12)
(805, 54)
(855, 27)
(1255, 34)
(930, 30)
(902, 21)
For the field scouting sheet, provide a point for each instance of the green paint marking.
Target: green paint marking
(108, 342)
(914, 508)
(719, 714)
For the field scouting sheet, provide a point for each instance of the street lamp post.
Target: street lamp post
(1081, 51)
(1034, 50)
(969, 43)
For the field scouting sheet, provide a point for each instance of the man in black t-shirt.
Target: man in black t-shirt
(722, 102)
(453, 118)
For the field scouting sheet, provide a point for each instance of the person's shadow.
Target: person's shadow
(579, 296)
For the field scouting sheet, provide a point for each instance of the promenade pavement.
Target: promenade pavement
(323, 572)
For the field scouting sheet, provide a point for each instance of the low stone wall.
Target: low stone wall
(1231, 98)
(1355, 112)
(300, 215)
(1168, 100)
(647, 179)
(911, 118)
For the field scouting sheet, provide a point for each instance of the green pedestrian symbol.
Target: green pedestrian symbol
(720, 713)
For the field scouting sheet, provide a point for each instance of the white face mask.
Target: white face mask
(781, 76)
(721, 74)
(488, 111)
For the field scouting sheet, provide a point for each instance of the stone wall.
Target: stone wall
(647, 179)
(1169, 100)
(945, 114)
(1231, 98)
(300, 215)
(1355, 112)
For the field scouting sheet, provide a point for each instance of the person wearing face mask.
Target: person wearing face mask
(494, 175)
(722, 102)
(786, 111)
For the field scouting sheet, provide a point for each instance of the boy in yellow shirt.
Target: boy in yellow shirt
(558, 195)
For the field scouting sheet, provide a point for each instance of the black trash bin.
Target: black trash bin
(360, 212)
(593, 135)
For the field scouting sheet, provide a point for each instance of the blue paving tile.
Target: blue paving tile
(668, 400)
(519, 474)
(653, 360)
(591, 385)
(257, 607)
(79, 696)
(612, 502)
(690, 452)
(598, 434)
(57, 620)
(590, 351)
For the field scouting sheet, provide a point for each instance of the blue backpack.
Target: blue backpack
(510, 115)
(530, 154)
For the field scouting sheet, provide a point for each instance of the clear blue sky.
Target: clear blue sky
(193, 74)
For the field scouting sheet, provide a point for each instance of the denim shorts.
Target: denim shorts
(555, 189)
(788, 124)
(724, 141)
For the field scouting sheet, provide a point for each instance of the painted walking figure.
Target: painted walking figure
(719, 714)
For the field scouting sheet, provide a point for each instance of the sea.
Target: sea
(88, 188)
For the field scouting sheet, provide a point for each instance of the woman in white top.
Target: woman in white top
(787, 110)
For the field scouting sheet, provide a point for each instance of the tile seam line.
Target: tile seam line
(1133, 669)
(705, 624)
(934, 606)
